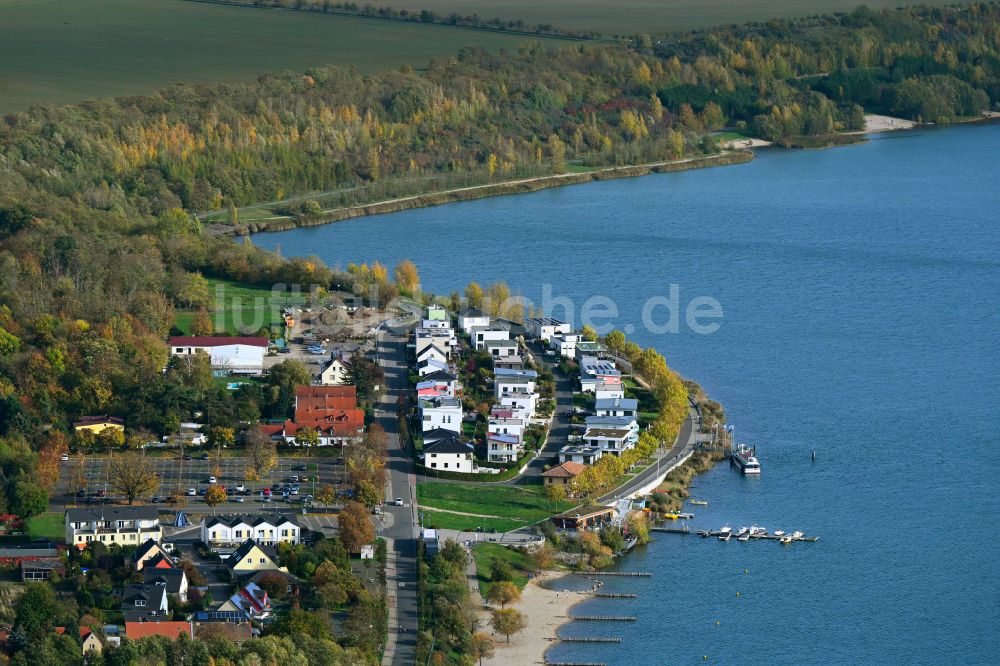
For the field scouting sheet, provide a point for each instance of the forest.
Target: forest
(99, 241)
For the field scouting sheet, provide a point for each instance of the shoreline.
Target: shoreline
(479, 192)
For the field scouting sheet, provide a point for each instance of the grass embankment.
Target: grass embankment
(502, 507)
(239, 309)
(676, 483)
(57, 52)
(480, 191)
(49, 525)
(485, 553)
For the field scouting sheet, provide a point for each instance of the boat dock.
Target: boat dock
(614, 573)
(603, 618)
(609, 639)
(675, 530)
(766, 537)
(616, 595)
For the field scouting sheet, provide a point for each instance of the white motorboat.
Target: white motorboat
(779, 533)
(757, 531)
(798, 535)
(743, 537)
(725, 536)
(746, 459)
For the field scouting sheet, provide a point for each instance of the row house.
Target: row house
(221, 531)
(472, 318)
(126, 526)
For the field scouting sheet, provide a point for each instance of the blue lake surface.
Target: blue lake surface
(859, 287)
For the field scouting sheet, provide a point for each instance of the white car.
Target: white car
(192, 492)
(399, 501)
(211, 479)
(65, 457)
(241, 488)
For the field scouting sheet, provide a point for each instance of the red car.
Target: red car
(266, 492)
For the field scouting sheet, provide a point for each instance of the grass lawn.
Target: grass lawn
(485, 553)
(451, 521)
(525, 504)
(49, 525)
(239, 309)
(58, 52)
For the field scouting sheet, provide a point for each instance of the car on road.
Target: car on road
(240, 488)
(187, 456)
(295, 478)
(399, 501)
(192, 492)
(155, 499)
(300, 468)
(238, 500)
(294, 490)
(100, 493)
(202, 491)
(285, 350)
(212, 479)
(266, 492)
(265, 499)
(64, 457)
(377, 511)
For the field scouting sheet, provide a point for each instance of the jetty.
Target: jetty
(645, 574)
(575, 663)
(765, 537)
(608, 639)
(684, 529)
(603, 618)
(616, 595)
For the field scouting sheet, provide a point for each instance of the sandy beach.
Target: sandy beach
(545, 611)
(746, 143)
(877, 123)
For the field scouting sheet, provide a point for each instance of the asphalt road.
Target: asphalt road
(560, 429)
(400, 521)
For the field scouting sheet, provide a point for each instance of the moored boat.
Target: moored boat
(698, 502)
(745, 458)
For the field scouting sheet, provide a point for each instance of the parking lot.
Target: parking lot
(193, 475)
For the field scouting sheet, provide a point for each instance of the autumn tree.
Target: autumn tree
(556, 492)
(307, 437)
(474, 295)
(215, 495)
(557, 153)
(407, 278)
(503, 593)
(326, 495)
(355, 527)
(131, 474)
(481, 647)
(261, 452)
(202, 324)
(507, 621)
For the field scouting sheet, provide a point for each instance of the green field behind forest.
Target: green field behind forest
(53, 51)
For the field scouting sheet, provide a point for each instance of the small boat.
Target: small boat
(725, 536)
(671, 516)
(779, 533)
(698, 502)
(785, 539)
(797, 535)
(743, 537)
(743, 530)
(704, 533)
(757, 531)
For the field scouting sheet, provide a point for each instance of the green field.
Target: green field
(241, 309)
(485, 553)
(54, 51)
(522, 505)
(647, 16)
(48, 525)
(451, 521)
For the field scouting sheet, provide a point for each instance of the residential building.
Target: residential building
(505, 425)
(89, 642)
(221, 531)
(436, 435)
(609, 391)
(609, 440)
(144, 602)
(173, 580)
(40, 569)
(435, 313)
(441, 379)
(451, 455)
(503, 448)
(594, 371)
(335, 372)
(252, 602)
(252, 557)
(441, 413)
(525, 402)
(331, 411)
(565, 344)
(443, 337)
(170, 630)
(514, 362)
(98, 424)
(431, 365)
(483, 334)
(615, 423)
(616, 407)
(236, 355)
(563, 474)
(126, 526)
(472, 318)
(585, 455)
(585, 348)
(500, 348)
(432, 351)
(150, 553)
(112, 634)
(543, 328)
(510, 412)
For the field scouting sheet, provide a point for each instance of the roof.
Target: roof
(247, 547)
(145, 548)
(432, 346)
(439, 402)
(567, 470)
(499, 343)
(511, 372)
(610, 433)
(436, 434)
(586, 511)
(544, 321)
(503, 437)
(169, 578)
(439, 376)
(95, 420)
(345, 391)
(171, 630)
(253, 521)
(449, 445)
(113, 513)
(616, 403)
(154, 596)
(473, 312)
(216, 341)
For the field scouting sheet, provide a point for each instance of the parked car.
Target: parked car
(294, 490)
(155, 499)
(192, 492)
(187, 456)
(285, 350)
(300, 468)
(240, 488)
(204, 456)
(238, 500)
(212, 479)
(266, 492)
(64, 457)
(202, 491)
(295, 478)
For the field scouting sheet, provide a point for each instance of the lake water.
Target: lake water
(859, 287)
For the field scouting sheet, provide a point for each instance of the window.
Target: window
(446, 465)
(262, 560)
(141, 603)
(239, 533)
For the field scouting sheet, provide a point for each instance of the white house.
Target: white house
(234, 530)
(435, 313)
(565, 344)
(500, 348)
(503, 448)
(543, 328)
(471, 319)
(616, 407)
(435, 323)
(173, 580)
(609, 440)
(441, 413)
(335, 373)
(443, 338)
(237, 355)
(614, 423)
(450, 455)
(125, 525)
(585, 455)
(514, 362)
(432, 351)
(483, 334)
(594, 371)
(436, 384)
(586, 348)
(501, 425)
(527, 402)
(431, 365)
(609, 391)
(510, 412)
(512, 385)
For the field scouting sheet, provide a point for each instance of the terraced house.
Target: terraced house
(221, 531)
(126, 526)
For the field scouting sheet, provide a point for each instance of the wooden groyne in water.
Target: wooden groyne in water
(616, 595)
(575, 663)
(645, 574)
(609, 639)
(603, 618)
